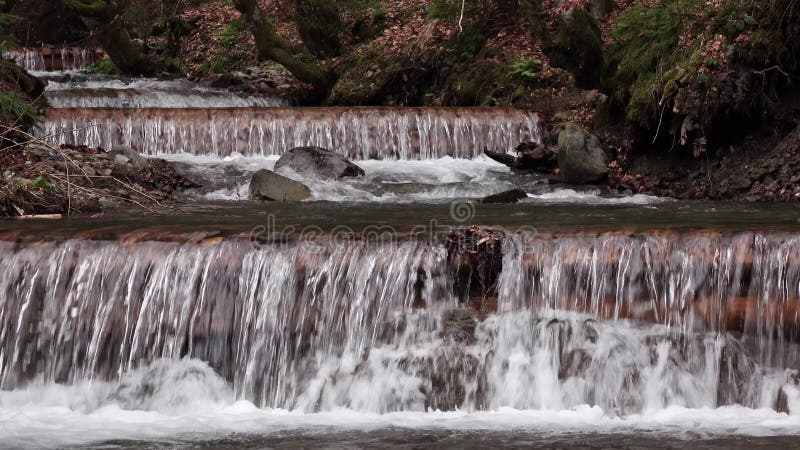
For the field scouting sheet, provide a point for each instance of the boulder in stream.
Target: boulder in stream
(268, 185)
(510, 196)
(580, 157)
(318, 163)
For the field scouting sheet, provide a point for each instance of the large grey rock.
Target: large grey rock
(124, 154)
(268, 185)
(580, 158)
(318, 163)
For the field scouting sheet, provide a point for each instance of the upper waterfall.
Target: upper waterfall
(82, 91)
(48, 59)
(358, 133)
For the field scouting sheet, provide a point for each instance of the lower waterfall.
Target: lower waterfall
(624, 323)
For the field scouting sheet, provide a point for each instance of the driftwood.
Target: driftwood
(530, 157)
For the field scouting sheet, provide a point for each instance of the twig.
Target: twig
(69, 189)
(136, 190)
(461, 18)
(655, 138)
(775, 67)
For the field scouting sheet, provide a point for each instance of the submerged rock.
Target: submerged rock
(318, 162)
(580, 158)
(268, 185)
(510, 196)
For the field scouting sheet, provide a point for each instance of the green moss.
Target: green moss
(374, 79)
(491, 79)
(370, 20)
(104, 67)
(678, 59)
(443, 9)
(319, 26)
(644, 49)
(578, 47)
(233, 55)
(475, 84)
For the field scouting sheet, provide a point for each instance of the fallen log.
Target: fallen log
(530, 157)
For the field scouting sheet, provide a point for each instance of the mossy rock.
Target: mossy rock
(319, 26)
(489, 81)
(578, 47)
(475, 84)
(372, 79)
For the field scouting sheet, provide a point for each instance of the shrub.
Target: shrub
(14, 109)
(104, 67)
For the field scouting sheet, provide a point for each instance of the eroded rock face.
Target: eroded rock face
(318, 163)
(580, 158)
(268, 185)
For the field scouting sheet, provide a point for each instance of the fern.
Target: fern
(16, 110)
(526, 68)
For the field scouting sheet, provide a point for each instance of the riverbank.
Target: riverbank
(40, 179)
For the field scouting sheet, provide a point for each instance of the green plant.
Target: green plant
(526, 68)
(232, 34)
(17, 110)
(443, 9)
(6, 38)
(42, 183)
(104, 67)
(645, 47)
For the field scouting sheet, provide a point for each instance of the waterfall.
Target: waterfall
(358, 133)
(628, 323)
(63, 59)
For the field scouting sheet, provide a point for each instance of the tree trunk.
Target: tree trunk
(103, 18)
(272, 47)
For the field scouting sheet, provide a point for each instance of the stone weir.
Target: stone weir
(474, 319)
(358, 133)
(54, 59)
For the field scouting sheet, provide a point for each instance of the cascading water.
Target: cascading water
(103, 92)
(65, 59)
(358, 133)
(626, 323)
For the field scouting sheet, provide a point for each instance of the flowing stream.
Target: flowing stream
(190, 330)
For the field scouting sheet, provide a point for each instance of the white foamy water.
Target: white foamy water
(566, 195)
(200, 407)
(398, 181)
